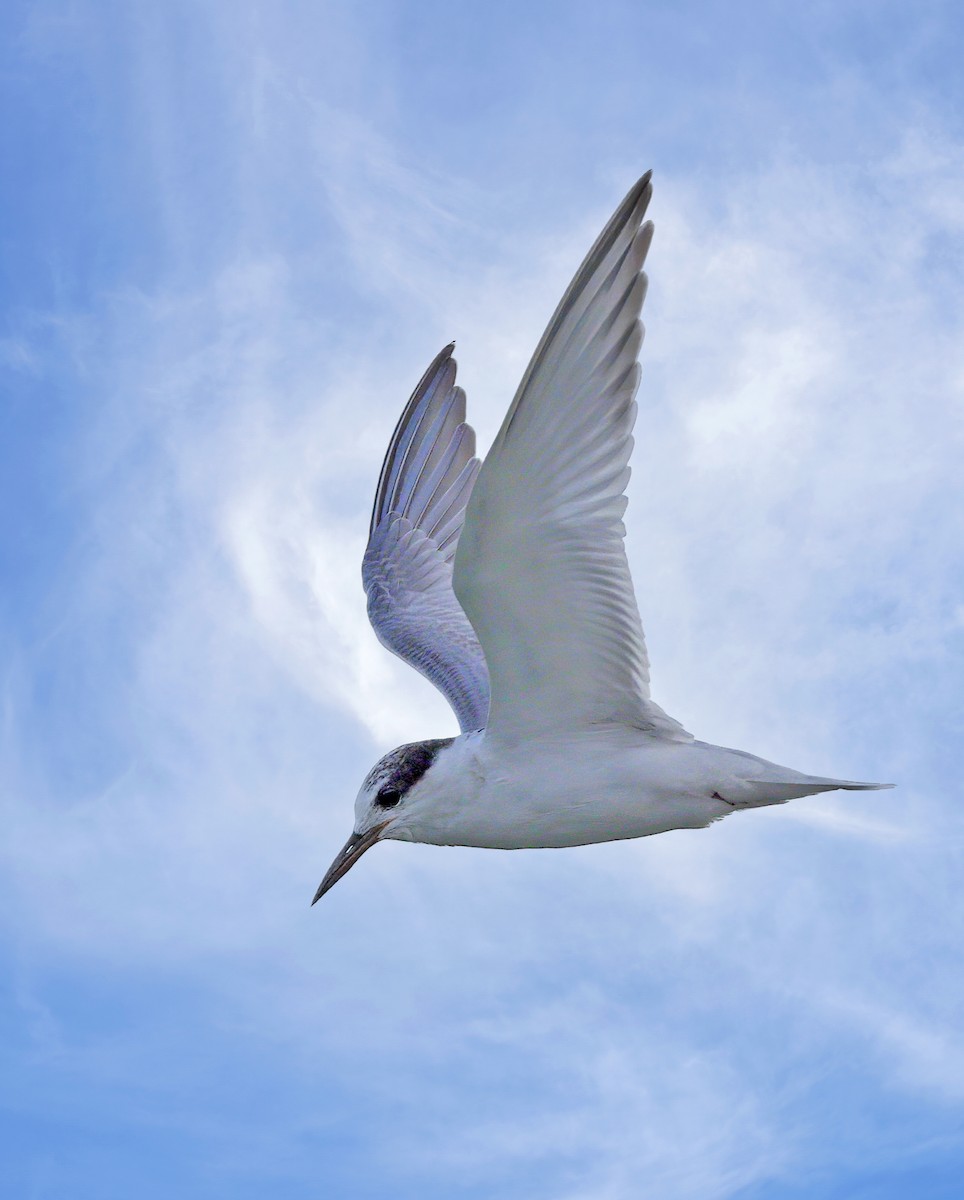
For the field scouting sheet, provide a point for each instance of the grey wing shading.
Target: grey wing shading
(541, 567)
(424, 486)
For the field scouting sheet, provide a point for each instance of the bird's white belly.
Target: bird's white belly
(593, 789)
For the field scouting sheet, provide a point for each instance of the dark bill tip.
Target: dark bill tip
(346, 858)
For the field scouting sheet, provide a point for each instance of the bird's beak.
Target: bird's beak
(349, 854)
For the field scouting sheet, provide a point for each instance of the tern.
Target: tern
(506, 584)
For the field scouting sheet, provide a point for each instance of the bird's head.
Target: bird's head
(386, 801)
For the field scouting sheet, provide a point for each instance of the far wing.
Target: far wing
(541, 568)
(425, 483)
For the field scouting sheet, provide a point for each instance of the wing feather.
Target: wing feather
(540, 567)
(424, 486)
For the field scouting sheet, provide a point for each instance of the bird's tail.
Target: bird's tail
(751, 782)
(758, 792)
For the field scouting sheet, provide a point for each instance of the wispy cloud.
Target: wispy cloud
(183, 736)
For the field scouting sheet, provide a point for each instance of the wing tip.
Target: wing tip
(443, 357)
(628, 218)
(441, 363)
(630, 211)
(433, 369)
(641, 190)
(439, 360)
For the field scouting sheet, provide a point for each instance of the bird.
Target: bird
(506, 584)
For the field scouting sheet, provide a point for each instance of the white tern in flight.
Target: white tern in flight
(507, 586)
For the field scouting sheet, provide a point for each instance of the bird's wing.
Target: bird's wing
(426, 480)
(541, 568)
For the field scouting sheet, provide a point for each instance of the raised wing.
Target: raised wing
(541, 568)
(426, 480)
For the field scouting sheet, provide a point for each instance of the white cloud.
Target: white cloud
(917, 1053)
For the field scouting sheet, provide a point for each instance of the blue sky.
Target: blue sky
(233, 235)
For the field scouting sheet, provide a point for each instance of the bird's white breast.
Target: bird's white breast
(598, 785)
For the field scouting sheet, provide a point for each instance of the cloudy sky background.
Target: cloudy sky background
(233, 235)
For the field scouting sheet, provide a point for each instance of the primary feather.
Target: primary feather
(541, 567)
(425, 483)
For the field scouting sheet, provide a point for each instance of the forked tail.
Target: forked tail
(757, 792)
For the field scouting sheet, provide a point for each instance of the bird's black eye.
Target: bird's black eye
(388, 797)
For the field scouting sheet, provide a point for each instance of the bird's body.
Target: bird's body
(599, 784)
(508, 587)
